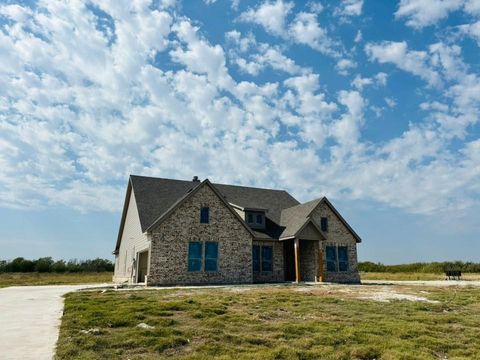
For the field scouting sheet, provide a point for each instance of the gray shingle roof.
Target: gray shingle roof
(294, 218)
(154, 196)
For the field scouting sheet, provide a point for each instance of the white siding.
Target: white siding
(133, 241)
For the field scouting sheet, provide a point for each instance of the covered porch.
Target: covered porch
(304, 260)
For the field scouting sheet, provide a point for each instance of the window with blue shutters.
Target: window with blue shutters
(324, 224)
(267, 255)
(342, 258)
(331, 253)
(204, 215)
(211, 256)
(195, 256)
(256, 257)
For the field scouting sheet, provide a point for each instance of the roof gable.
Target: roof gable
(342, 220)
(190, 193)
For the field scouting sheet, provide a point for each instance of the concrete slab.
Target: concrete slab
(30, 319)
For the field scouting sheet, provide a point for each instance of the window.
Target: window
(342, 258)
(267, 254)
(204, 215)
(259, 219)
(256, 257)
(324, 224)
(195, 256)
(211, 256)
(250, 218)
(331, 252)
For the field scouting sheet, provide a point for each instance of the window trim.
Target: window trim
(204, 215)
(324, 224)
(211, 258)
(268, 261)
(259, 260)
(335, 259)
(191, 258)
(342, 261)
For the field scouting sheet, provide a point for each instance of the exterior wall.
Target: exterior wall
(170, 239)
(277, 273)
(133, 241)
(308, 260)
(337, 235)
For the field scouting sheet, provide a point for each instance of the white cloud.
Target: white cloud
(82, 107)
(344, 65)
(303, 29)
(358, 36)
(349, 8)
(360, 82)
(421, 13)
(260, 57)
(471, 30)
(397, 53)
(271, 15)
(306, 30)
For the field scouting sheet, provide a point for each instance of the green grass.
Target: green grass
(412, 276)
(22, 279)
(271, 323)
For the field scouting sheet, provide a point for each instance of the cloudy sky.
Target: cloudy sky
(373, 103)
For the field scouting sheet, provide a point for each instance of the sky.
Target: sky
(374, 104)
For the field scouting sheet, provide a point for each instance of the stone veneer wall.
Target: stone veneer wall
(277, 275)
(169, 244)
(337, 235)
(308, 260)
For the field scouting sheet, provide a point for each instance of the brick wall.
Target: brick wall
(338, 235)
(308, 260)
(169, 246)
(277, 275)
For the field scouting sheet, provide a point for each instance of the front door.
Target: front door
(142, 266)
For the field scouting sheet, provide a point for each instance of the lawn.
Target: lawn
(412, 276)
(273, 322)
(22, 279)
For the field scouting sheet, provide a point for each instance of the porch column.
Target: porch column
(297, 260)
(320, 262)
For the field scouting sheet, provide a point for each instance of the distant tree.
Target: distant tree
(20, 264)
(3, 266)
(44, 264)
(59, 266)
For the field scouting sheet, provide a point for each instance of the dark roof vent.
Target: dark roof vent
(195, 179)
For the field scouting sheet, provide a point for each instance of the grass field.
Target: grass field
(282, 322)
(412, 276)
(22, 279)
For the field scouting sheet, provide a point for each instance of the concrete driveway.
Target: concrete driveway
(30, 319)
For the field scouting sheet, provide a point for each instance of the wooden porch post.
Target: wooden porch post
(297, 260)
(320, 263)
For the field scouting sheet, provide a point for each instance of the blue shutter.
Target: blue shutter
(256, 257)
(331, 258)
(204, 215)
(195, 256)
(211, 256)
(324, 224)
(267, 254)
(342, 258)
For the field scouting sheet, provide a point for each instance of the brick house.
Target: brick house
(176, 232)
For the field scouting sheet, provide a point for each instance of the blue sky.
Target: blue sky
(374, 104)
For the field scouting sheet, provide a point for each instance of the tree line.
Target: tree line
(47, 264)
(420, 267)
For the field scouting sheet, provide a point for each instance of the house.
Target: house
(195, 232)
